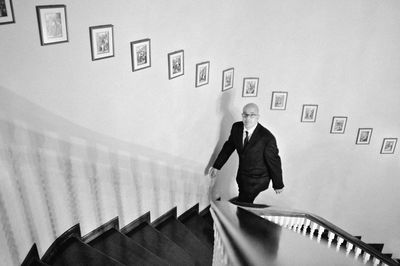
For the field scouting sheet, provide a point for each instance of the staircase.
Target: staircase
(169, 240)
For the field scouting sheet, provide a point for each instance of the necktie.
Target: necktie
(246, 139)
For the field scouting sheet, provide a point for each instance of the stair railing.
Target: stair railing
(312, 226)
(231, 247)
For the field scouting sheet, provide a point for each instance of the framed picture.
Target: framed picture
(364, 136)
(6, 12)
(101, 41)
(388, 145)
(309, 113)
(176, 64)
(338, 124)
(279, 99)
(52, 21)
(227, 79)
(202, 73)
(250, 87)
(140, 52)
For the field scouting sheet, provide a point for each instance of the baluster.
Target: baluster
(300, 224)
(292, 220)
(306, 227)
(357, 253)
(281, 220)
(349, 247)
(376, 261)
(339, 242)
(320, 231)
(331, 236)
(287, 221)
(366, 258)
(313, 228)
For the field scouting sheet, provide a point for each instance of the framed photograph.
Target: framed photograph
(364, 136)
(6, 12)
(338, 124)
(309, 113)
(140, 52)
(202, 73)
(176, 64)
(279, 99)
(388, 145)
(250, 87)
(52, 21)
(101, 41)
(227, 79)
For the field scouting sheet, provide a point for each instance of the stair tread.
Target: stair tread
(376, 246)
(125, 250)
(150, 238)
(202, 229)
(75, 252)
(181, 235)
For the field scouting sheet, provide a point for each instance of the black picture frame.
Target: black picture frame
(141, 54)
(176, 64)
(101, 41)
(202, 73)
(6, 12)
(52, 20)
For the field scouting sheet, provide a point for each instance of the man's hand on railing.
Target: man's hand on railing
(213, 172)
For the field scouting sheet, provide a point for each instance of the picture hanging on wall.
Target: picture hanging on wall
(227, 79)
(250, 87)
(338, 124)
(6, 12)
(309, 113)
(52, 21)
(202, 73)
(278, 100)
(140, 52)
(176, 64)
(388, 145)
(101, 41)
(364, 136)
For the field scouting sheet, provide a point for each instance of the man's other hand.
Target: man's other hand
(213, 172)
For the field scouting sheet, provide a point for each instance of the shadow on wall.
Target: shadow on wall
(56, 174)
(225, 185)
(225, 126)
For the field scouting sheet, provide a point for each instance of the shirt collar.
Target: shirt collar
(251, 130)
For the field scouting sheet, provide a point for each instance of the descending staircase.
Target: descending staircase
(169, 240)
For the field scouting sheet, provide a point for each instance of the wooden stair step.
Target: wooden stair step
(181, 235)
(32, 258)
(152, 239)
(75, 252)
(376, 246)
(123, 249)
(198, 226)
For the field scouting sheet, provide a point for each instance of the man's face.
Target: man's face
(250, 117)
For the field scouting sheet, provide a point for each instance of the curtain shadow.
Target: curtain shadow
(225, 126)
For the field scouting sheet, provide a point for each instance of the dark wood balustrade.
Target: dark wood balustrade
(248, 235)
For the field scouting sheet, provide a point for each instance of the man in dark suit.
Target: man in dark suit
(259, 160)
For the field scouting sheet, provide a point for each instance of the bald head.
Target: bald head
(250, 115)
(251, 106)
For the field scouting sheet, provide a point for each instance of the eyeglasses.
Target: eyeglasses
(249, 115)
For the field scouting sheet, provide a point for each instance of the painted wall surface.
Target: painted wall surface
(341, 55)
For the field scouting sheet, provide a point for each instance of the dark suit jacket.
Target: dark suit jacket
(259, 161)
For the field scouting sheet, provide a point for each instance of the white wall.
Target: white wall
(341, 55)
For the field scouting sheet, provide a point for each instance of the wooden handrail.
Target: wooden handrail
(327, 225)
(244, 246)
